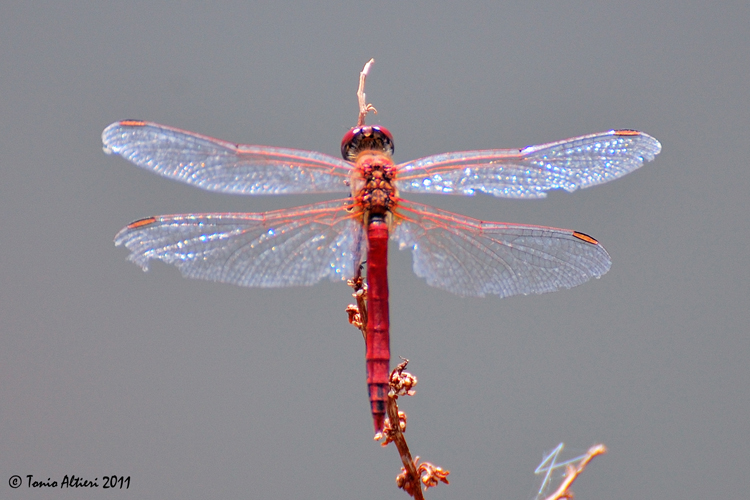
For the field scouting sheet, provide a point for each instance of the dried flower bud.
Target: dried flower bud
(432, 475)
(402, 383)
(354, 318)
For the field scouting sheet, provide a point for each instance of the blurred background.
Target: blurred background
(196, 389)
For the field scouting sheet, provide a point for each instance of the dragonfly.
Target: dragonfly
(336, 239)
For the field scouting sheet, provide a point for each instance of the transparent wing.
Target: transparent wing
(222, 166)
(475, 258)
(575, 163)
(297, 246)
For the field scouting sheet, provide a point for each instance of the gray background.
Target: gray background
(203, 390)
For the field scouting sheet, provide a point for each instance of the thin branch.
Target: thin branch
(364, 107)
(408, 480)
(412, 472)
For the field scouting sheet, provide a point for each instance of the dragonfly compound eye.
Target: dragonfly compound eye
(367, 137)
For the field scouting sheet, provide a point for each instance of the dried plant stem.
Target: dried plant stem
(364, 108)
(397, 436)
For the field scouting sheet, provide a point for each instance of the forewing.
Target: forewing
(223, 166)
(476, 258)
(298, 246)
(574, 163)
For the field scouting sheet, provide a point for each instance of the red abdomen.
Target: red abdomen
(378, 353)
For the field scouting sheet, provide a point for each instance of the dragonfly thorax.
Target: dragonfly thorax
(372, 182)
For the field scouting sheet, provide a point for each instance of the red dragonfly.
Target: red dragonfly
(333, 239)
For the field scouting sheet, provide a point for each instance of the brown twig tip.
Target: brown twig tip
(402, 382)
(364, 107)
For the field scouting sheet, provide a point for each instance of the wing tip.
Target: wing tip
(107, 143)
(140, 261)
(123, 123)
(655, 145)
(120, 237)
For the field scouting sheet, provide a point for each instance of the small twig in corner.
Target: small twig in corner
(572, 473)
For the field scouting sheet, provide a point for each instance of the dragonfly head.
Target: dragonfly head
(366, 137)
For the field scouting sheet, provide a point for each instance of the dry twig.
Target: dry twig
(412, 472)
(364, 107)
(572, 472)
